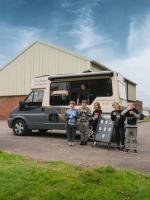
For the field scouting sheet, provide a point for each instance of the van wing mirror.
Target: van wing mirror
(20, 105)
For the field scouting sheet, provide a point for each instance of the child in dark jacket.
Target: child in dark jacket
(71, 116)
(131, 114)
(96, 115)
(119, 125)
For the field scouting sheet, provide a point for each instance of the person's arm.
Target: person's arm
(78, 98)
(66, 116)
(77, 114)
(124, 112)
(112, 116)
(122, 116)
(100, 112)
(136, 114)
(89, 113)
(88, 97)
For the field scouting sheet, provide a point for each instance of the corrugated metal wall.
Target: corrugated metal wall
(43, 59)
(38, 59)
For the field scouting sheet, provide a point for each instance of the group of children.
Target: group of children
(86, 119)
(126, 133)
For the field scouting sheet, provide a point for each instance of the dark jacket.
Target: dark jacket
(118, 118)
(131, 118)
(95, 117)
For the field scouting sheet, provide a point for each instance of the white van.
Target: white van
(43, 109)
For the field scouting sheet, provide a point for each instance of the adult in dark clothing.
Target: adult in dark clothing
(95, 115)
(83, 94)
(119, 125)
(131, 114)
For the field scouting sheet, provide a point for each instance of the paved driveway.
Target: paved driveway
(54, 147)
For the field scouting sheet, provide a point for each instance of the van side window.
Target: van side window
(101, 87)
(29, 98)
(35, 98)
(38, 96)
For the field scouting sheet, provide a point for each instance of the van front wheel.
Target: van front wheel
(20, 127)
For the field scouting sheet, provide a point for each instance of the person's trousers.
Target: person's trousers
(120, 135)
(131, 138)
(84, 131)
(71, 132)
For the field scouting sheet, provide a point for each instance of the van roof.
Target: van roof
(86, 74)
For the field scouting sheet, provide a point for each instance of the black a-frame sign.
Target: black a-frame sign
(104, 130)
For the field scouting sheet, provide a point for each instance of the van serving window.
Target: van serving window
(101, 87)
(62, 92)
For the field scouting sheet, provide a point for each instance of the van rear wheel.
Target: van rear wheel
(20, 127)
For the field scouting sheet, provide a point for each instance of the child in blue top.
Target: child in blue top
(71, 116)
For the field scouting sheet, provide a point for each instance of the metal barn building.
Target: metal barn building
(40, 59)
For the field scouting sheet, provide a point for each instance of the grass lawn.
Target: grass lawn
(22, 179)
(147, 119)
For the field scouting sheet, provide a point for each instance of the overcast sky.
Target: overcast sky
(114, 32)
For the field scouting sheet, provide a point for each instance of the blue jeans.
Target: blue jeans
(120, 135)
(71, 132)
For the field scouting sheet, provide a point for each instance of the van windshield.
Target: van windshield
(62, 92)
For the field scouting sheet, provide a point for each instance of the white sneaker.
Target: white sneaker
(69, 143)
(72, 144)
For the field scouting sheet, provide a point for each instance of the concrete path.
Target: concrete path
(54, 147)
